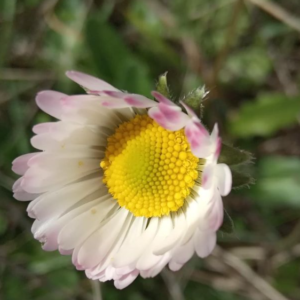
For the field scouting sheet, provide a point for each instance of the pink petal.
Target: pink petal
(50, 102)
(92, 83)
(224, 176)
(162, 99)
(198, 138)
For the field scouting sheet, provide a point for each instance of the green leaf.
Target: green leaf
(228, 224)
(234, 156)
(240, 180)
(265, 116)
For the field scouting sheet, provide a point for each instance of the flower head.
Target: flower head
(124, 184)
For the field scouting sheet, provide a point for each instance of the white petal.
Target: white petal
(130, 253)
(102, 240)
(137, 226)
(81, 227)
(196, 212)
(147, 260)
(47, 231)
(60, 134)
(224, 176)
(158, 267)
(184, 253)
(215, 213)
(174, 237)
(204, 243)
(57, 202)
(46, 177)
(216, 142)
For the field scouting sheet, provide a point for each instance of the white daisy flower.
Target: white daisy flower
(124, 184)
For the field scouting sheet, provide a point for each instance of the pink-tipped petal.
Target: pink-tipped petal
(172, 113)
(113, 103)
(162, 99)
(50, 102)
(139, 101)
(20, 164)
(198, 138)
(224, 176)
(133, 100)
(208, 176)
(126, 280)
(172, 120)
(92, 83)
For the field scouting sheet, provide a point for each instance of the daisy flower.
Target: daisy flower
(124, 184)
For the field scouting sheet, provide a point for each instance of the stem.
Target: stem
(278, 12)
(96, 288)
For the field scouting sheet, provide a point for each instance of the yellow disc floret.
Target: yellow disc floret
(148, 169)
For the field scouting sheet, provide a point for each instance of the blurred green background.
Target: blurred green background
(247, 53)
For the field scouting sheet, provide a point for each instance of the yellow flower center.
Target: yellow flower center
(148, 169)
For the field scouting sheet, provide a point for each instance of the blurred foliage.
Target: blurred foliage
(279, 181)
(248, 60)
(266, 115)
